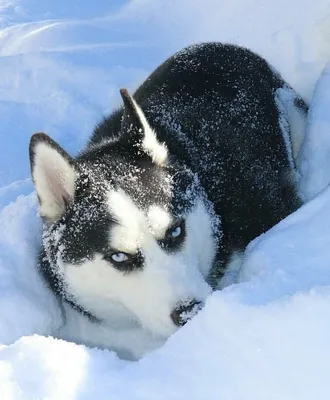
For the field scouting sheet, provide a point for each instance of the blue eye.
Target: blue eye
(119, 257)
(176, 232)
(174, 237)
(124, 262)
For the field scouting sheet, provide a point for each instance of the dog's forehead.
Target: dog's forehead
(145, 185)
(138, 219)
(172, 188)
(134, 225)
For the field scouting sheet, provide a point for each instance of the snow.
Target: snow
(264, 338)
(315, 157)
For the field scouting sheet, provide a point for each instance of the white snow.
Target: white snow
(61, 65)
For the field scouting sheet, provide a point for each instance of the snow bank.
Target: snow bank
(264, 338)
(26, 307)
(315, 157)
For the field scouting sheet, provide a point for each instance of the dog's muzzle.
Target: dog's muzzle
(185, 311)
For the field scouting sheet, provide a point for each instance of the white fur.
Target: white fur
(129, 341)
(54, 179)
(126, 235)
(159, 221)
(143, 300)
(294, 117)
(156, 150)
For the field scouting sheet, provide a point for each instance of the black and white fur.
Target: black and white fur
(143, 224)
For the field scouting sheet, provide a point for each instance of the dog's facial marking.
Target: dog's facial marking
(159, 220)
(84, 228)
(169, 231)
(130, 228)
(136, 227)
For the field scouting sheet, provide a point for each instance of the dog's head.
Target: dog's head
(128, 232)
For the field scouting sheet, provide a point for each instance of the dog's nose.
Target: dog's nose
(184, 311)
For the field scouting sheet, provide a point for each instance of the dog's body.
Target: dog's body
(166, 196)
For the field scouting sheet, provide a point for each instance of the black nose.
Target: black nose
(183, 312)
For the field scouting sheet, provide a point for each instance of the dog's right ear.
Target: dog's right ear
(53, 174)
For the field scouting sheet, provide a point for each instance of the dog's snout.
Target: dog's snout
(184, 311)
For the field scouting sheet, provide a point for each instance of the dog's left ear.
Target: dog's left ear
(53, 174)
(137, 132)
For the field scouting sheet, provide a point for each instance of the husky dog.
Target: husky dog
(142, 225)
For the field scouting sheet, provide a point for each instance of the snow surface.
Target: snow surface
(267, 337)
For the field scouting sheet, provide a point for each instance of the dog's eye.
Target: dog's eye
(124, 262)
(174, 236)
(176, 232)
(119, 257)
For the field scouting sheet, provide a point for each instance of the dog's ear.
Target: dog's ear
(136, 131)
(53, 174)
